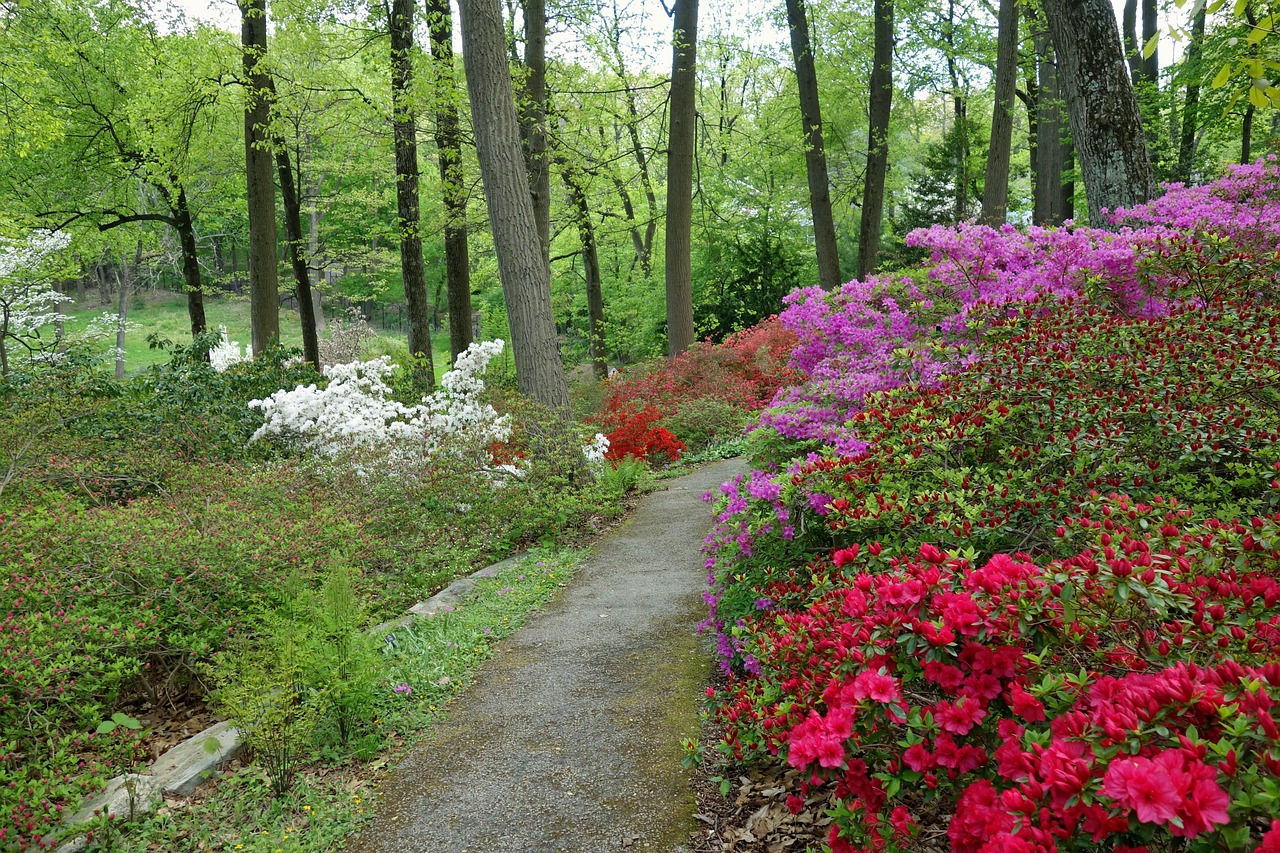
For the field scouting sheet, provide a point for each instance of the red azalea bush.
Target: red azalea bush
(639, 438)
(1120, 696)
(721, 382)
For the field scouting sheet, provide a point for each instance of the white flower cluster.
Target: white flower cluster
(354, 410)
(27, 302)
(227, 352)
(595, 450)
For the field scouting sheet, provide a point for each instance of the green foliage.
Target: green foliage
(624, 475)
(263, 688)
(706, 421)
(743, 279)
(343, 660)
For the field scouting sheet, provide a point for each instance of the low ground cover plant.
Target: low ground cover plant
(143, 533)
(1005, 577)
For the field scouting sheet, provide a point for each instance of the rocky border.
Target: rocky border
(182, 769)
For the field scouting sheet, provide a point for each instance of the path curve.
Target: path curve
(570, 739)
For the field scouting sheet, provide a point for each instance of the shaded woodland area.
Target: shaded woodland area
(330, 155)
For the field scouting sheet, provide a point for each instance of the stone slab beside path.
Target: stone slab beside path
(570, 738)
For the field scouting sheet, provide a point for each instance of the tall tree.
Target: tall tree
(533, 116)
(525, 278)
(264, 287)
(815, 157)
(680, 143)
(1150, 31)
(995, 189)
(291, 196)
(877, 138)
(449, 153)
(1129, 32)
(590, 268)
(960, 115)
(1191, 104)
(1106, 127)
(1048, 206)
(404, 129)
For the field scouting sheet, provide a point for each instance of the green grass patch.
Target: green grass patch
(165, 315)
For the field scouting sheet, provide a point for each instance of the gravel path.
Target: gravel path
(570, 738)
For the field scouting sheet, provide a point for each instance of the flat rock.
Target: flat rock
(182, 769)
(126, 797)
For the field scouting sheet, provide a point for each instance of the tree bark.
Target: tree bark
(960, 113)
(190, 262)
(1047, 193)
(1150, 27)
(1105, 125)
(995, 189)
(297, 256)
(1191, 105)
(680, 145)
(1129, 32)
(449, 147)
(526, 282)
(881, 93)
(404, 129)
(591, 270)
(533, 117)
(815, 157)
(264, 286)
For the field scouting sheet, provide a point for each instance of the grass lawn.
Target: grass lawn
(165, 314)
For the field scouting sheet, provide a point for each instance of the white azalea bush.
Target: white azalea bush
(355, 411)
(227, 352)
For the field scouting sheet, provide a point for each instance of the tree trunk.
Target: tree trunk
(995, 189)
(960, 113)
(526, 283)
(1150, 27)
(1246, 128)
(881, 94)
(190, 263)
(1032, 103)
(313, 253)
(1191, 106)
(591, 271)
(644, 254)
(1105, 125)
(1129, 32)
(404, 129)
(684, 84)
(815, 157)
(297, 256)
(533, 116)
(1048, 208)
(122, 307)
(449, 148)
(264, 287)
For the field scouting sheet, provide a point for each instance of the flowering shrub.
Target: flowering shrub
(354, 410)
(717, 383)
(922, 602)
(886, 332)
(227, 352)
(1117, 694)
(638, 438)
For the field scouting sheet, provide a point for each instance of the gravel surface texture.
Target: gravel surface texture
(570, 739)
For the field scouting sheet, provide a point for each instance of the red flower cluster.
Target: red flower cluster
(1051, 707)
(639, 438)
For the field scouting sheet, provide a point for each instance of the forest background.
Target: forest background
(119, 118)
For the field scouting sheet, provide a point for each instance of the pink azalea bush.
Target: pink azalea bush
(934, 598)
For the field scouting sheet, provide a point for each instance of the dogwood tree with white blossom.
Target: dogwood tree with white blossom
(27, 301)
